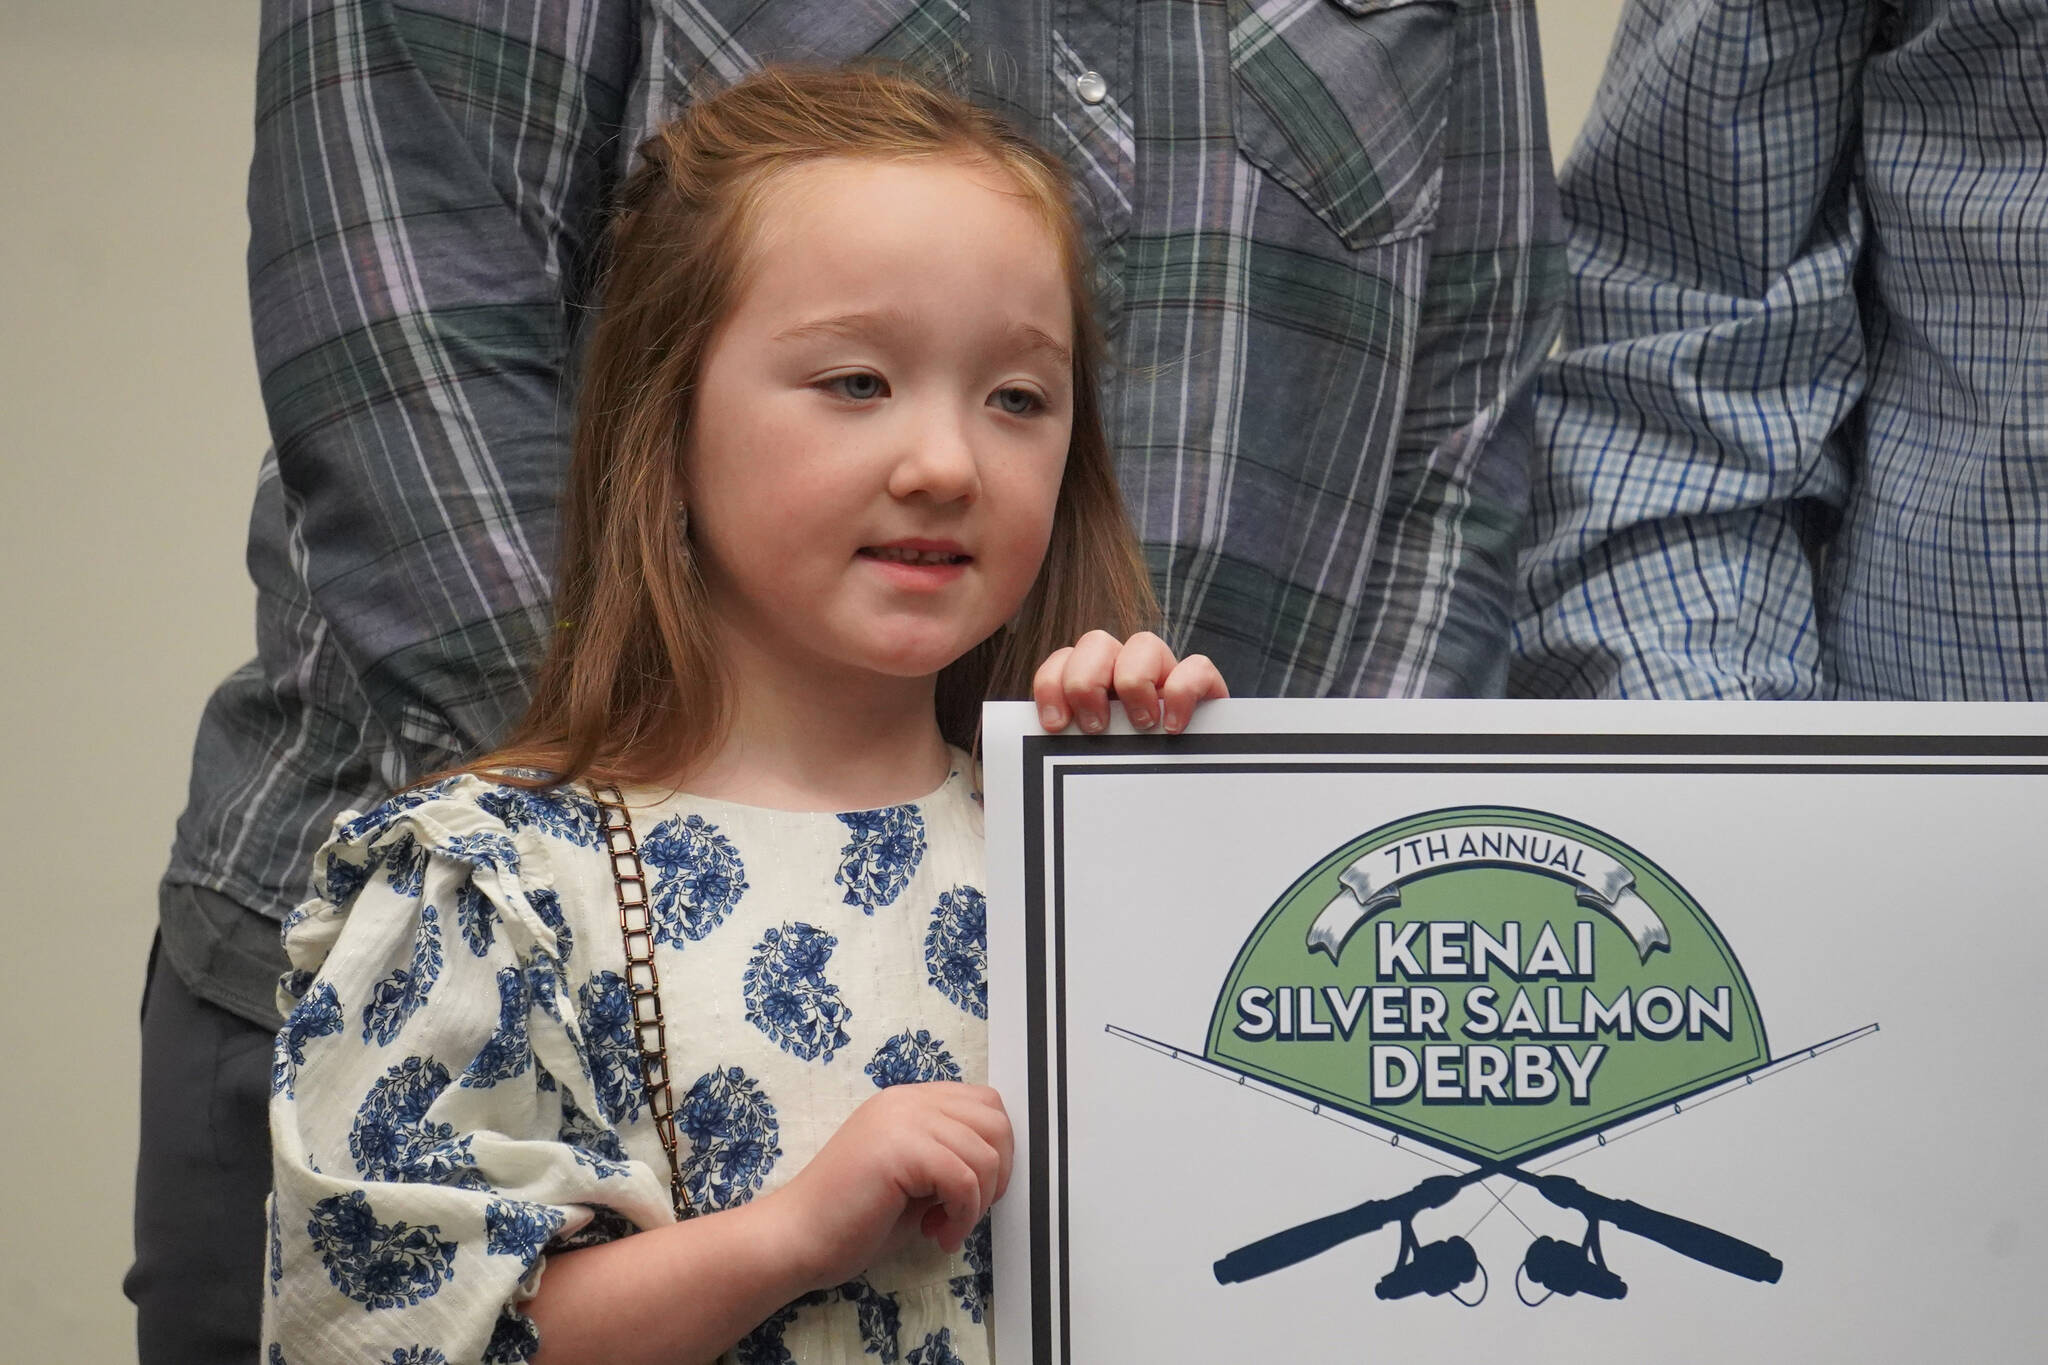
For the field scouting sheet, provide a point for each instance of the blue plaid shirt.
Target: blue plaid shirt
(1798, 437)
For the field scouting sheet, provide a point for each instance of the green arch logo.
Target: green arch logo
(1493, 981)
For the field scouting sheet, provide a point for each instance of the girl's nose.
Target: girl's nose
(938, 459)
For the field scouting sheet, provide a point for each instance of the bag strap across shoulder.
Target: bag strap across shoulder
(643, 982)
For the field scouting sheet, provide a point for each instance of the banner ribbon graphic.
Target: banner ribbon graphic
(1375, 880)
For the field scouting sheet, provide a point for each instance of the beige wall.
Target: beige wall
(129, 435)
(130, 430)
(1576, 36)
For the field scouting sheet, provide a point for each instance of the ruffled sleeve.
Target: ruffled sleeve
(440, 1116)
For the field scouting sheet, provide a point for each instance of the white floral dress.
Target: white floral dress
(456, 1091)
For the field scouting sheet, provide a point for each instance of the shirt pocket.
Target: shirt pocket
(1343, 102)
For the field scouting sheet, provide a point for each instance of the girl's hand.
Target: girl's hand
(1079, 680)
(915, 1160)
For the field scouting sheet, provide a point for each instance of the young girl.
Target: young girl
(839, 475)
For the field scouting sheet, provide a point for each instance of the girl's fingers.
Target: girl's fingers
(1141, 665)
(1086, 680)
(1005, 1142)
(1047, 691)
(982, 1158)
(1076, 683)
(980, 1107)
(957, 1186)
(1194, 679)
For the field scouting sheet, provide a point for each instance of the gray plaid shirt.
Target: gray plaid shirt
(1327, 242)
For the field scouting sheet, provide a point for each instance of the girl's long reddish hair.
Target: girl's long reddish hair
(631, 688)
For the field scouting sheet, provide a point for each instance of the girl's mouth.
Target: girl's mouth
(904, 554)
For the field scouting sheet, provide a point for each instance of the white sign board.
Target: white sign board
(1543, 1032)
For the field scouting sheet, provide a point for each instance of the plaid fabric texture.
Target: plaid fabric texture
(1797, 444)
(1328, 254)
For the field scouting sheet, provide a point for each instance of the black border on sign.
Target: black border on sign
(1048, 1071)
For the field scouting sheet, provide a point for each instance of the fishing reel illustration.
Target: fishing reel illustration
(1433, 1268)
(1558, 1267)
(1568, 1268)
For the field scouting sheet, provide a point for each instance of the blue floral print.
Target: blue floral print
(506, 1053)
(878, 1316)
(732, 1131)
(590, 1142)
(880, 858)
(479, 918)
(296, 982)
(276, 1249)
(937, 1350)
(476, 916)
(392, 1138)
(605, 1008)
(764, 1345)
(975, 1288)
(315, 1016)
(378, 1266)
(385, 814)
(342, 881)
(517, 1228)
(393, 1000)
(787, 996)
(483, 849)
(956, 949)
(514, 1339)
(910, 1058)
(544, 982)
(295, 917)
(698, 878)
(548, 906)
(564, 813)
(405, 862)
(406, 1144)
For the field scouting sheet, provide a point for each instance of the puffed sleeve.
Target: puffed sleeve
(437, 1121)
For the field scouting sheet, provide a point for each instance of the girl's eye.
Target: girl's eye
(861, 386)
(1017, 402)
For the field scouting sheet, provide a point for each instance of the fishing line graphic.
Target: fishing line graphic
(1500, 985)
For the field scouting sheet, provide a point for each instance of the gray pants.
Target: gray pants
(201, 1175)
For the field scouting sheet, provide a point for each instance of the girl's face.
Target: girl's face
(882, 422)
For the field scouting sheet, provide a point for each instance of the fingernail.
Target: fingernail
(1173, 724)
(1091, 723)
(1141, 719)
(1049, 717)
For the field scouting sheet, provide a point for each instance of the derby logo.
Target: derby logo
(1497, 983)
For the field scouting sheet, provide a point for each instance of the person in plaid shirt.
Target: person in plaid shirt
(1328, 258)
(1797, 443)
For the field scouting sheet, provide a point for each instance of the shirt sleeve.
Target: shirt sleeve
(440, 1113)
(1458, 492)
(423, 208)
(1692, 462)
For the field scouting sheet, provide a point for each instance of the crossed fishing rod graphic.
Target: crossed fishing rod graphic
(1555, 1266)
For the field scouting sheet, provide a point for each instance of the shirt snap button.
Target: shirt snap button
(1090, 86)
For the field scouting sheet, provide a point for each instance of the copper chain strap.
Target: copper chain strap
(643, 982)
